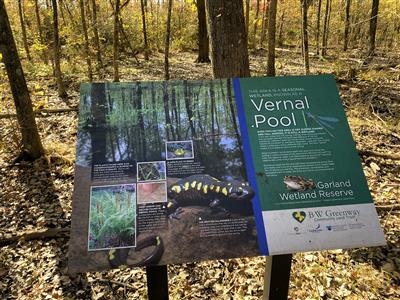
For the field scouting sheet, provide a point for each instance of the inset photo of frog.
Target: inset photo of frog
(298, 183)
(179, 150)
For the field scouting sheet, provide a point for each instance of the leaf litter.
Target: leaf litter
(38, 195)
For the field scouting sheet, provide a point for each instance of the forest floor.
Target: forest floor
(38, 195)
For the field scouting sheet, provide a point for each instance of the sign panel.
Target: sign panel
(180, 171)
(310, 183)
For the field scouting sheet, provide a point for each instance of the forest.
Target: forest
(51, 49)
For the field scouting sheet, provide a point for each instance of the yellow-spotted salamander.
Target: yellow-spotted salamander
(205, 190)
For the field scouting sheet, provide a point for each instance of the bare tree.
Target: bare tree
(372, 26)
(271, 37)
(228, 38)
(346, 25)
(56, 52)
(203, 40)
(167, 38)
(304, 31)
(23, 28)
(325, 33)
(85, 34)
(145, 43)
(32, 146)
(116, 40)
(318, 29)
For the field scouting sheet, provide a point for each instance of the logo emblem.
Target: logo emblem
(299, 216)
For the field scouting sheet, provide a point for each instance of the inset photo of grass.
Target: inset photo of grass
(179, 150)
(152, 192)
(112, 217)
(151, 171)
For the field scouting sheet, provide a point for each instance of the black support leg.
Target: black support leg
(157, 282)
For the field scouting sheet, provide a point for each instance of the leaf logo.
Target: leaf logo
(299, 216)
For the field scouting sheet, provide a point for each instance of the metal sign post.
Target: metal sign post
(276, 278)
(157, 282)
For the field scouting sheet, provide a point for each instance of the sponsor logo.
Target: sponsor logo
(316, 229)
(299, 216)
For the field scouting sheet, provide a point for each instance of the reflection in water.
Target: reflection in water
(132, 121)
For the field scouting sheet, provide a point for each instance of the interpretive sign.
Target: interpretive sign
(180, 171)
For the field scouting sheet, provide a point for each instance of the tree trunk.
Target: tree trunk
(372, 26)
(326, 28)
(167, 36)
(56, 51)
(202, 34)
(317, 32)
(346, 25)
(304, 9)
(116, 41)
(85, 34)
(145, 43)
(39, 25)
(271, 37)
(23, 28)
(255, 24)
(247, 16)
(100, 66)
(228, 38)
(32, 146)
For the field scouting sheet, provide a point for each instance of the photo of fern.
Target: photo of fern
(112, 217)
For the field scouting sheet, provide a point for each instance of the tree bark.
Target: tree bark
(247, 16)
(304, 9)
(85, 34)
(325, 33)
(116, 41)
(318, 30)
(167, 38)
(56, 51)
(23, 28)
(100, 66)
(203, 40)
(372, 27)
(145, 43)
(31, 143)
(271, 37)
(346, 25)
(228, 38)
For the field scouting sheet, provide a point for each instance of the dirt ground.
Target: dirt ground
(38, 195)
